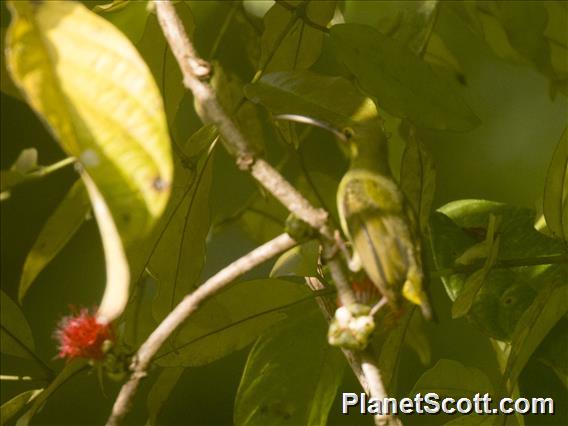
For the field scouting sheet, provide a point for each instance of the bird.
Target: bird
(378, 220)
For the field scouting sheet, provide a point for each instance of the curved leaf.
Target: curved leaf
(555, 192)
(96, 95)
(403, 84)
(231, 321)
(332, 100)
(115, 296)
(55, 234)
(291, 376)
(15, 335)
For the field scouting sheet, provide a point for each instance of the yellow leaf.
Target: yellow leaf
(88, 83)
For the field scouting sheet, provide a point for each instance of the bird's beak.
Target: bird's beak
(313, 122)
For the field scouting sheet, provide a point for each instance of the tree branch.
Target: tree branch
(183, 310)
(195, 72)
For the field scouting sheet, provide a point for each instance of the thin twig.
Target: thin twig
(183, 310)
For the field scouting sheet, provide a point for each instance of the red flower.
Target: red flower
(82, 336)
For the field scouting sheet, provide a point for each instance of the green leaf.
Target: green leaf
(16, 335)
(389, 356)
(409, 22)
(332, 100)
(97, 96)
(300, 261)
(417, 339)
(475, 281)
(508, 291)
(555, 192)
(178, 254)
(128, 16)
(231, 321)
(160, 60)
(11, 407)
(449, 378)
(160, 392)
(418, 180)
(291, 376)
(55, 234)
(525, 24)
(403, 84)
(288, 42)
(115, 296)
(249, 117)
(546, 310)
(69, 371)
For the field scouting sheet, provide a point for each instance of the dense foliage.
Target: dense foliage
(473, 101)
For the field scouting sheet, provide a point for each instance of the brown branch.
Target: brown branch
(183, 310)
(195, 72)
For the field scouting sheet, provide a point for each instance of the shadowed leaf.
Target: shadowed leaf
(55, 234)
(291, 376)
(288, 43)
(161, 390)
(556, 192)
(231, 321)
(403, 84)
(16, 335)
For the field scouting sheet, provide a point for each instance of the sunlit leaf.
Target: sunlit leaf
(449, 378)
(546, 310)
(231, 321)
(55, 234)
(11, 407)
(418, 180)
(403, 84)
(291, 376)
(161, 390)
(69, 371)
(332, 100)
(115, 296)
(556, 192)
(288, 43)
(98, 98)
(16, 335)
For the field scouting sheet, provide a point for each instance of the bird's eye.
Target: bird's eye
(348, 133)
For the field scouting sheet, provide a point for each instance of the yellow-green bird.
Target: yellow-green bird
(379, 221)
